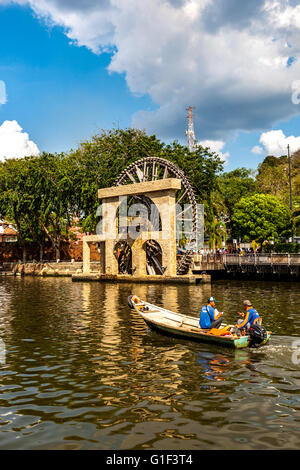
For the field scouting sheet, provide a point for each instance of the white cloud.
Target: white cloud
(227, 58)
(257, 149)
(216, 146)
(87, 23)
(3, 97)
(14, 143)
(276, 142)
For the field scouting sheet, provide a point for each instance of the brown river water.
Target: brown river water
(82, 370)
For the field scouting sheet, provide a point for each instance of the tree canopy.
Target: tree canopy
(232, 186)
(273, 178)
(261, 217)
(36, 194)
(42, 194)
(97, 163)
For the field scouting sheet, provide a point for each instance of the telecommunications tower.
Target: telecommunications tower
(191, 139)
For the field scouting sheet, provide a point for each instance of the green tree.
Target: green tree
(16, 200)
(273, 177)
(231, 187)
(42, 194)
(97, 163)
(36, 194)
(54, 201)
(261, 217)
(217, 233)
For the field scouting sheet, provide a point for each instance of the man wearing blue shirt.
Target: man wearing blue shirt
(209, 316)
(250, 317)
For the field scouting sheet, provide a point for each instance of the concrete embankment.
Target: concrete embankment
(74, 270)
(41, 269)
(184, 279)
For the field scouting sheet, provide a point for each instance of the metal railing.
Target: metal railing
(211, 258)
(262, 259)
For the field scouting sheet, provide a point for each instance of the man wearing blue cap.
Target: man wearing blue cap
(209, 316)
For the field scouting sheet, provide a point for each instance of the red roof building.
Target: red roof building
(7, 233)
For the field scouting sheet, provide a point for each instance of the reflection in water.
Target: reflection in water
(83, 371)
(213, 365)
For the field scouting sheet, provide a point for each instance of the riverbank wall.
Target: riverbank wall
(32, 252)
(258, 266)
(74, 269)
(252, 275)
(279, 267)
(44, 269)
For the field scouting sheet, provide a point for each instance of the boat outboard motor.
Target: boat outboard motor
(257, 334)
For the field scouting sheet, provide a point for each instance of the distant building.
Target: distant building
(75, 229)
(7, 233)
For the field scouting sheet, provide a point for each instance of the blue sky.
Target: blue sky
(59, 93)
(72, 68)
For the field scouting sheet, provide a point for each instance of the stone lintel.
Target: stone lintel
(94, 238)
(155, 235)
(140, 188)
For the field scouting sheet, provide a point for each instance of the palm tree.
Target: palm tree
(217, 233)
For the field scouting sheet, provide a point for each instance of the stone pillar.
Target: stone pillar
(169, 257)
(166, 204)
(109, 221)
(138, 257)
(86, 255)
(111, 263)
(102, 257)
(109, 231)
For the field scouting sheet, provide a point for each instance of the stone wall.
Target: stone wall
(46, 269)
(54, 269)
(13, 252)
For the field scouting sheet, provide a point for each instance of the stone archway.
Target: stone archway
(150, 220)
(161, 193)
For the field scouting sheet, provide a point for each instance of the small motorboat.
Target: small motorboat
(185, 326)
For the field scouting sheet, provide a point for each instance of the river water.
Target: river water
(82, 371)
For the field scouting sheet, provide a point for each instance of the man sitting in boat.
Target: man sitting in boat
(250, 317)
(209, 316)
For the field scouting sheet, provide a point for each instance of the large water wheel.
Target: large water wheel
(154, 258)
(155, 168)
(122, 252)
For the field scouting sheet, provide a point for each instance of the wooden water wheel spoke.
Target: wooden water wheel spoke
(140, 174)
(145, 172)
(130, 176)
(182, 197)
(182, 212)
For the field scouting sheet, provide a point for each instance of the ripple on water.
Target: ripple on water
(83, 372)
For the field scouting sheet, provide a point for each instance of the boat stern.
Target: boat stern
(241, 342)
